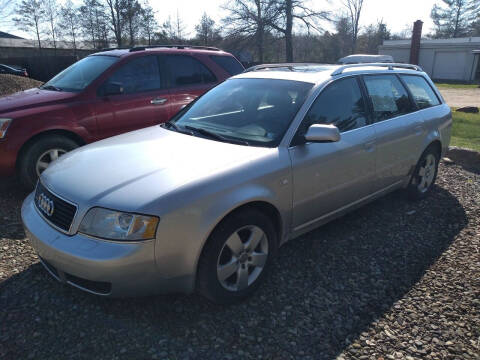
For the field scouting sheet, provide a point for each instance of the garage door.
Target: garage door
(449, 65)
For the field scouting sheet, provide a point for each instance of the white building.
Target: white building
(443, 59)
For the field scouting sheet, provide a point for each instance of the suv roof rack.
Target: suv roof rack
(390, 66)
(289, 66)
(141, 48)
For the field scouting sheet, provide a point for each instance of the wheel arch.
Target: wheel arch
(60, 132)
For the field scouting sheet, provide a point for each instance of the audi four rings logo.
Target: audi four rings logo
(45, 204)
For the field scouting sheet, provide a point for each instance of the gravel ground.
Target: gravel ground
(392, 280)
(10, 84)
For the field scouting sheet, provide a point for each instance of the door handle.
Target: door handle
(419, 130)
(158, 101)
(369, 146)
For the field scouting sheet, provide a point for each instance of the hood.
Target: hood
(127, 171)
(32, 98)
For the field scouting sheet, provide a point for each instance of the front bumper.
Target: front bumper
(97, 266)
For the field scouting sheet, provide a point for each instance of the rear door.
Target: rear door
(329, 176)
(188, 79)
(398, 128)
(144, 100)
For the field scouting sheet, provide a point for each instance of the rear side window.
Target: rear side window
(228, 63)
(139, 75)
(340, 104)
(422, 93)
(388, 96)
(185, 70)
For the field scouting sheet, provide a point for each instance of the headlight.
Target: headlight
(115, 225)
(4, 124)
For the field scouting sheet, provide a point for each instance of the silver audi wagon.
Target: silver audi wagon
(203, 202)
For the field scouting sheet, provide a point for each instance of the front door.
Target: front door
(330, 176)
(143, 101)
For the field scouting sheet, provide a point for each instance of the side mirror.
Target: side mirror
(322, 133)
(112, 88)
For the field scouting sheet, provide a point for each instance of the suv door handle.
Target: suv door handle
(158, 101)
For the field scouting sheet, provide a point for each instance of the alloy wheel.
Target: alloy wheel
(46, 158)
(242, 258)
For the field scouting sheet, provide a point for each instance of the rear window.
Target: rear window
(388, 96)
(422, 92)
(228, 63)
(185, 70)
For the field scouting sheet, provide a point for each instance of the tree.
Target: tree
(31, 17)
(115, 19)
(69, 20)
(51, 15)
(283, 16)
(131, 12)
(354, 8)
(249, 19)
(149, 24)
(206, 30)
(453, 18)
(94, 23)
(179, 29)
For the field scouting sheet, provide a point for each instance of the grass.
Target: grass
(456, 86)
(466, 130)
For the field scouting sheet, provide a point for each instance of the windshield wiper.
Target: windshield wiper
(170, 124)
(50, 87)
(215, 136)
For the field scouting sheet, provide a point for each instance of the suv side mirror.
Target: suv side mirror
(112, 88)
(322, 133)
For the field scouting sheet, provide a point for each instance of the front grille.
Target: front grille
(55, 210)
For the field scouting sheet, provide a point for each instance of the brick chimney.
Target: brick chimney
(415, 44)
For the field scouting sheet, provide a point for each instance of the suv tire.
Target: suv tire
(41, 149)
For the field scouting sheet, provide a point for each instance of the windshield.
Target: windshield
(253, 111)
(78, 76)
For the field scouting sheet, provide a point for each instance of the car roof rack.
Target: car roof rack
(390, 66)
(197, 47)
(145, 47)
(289, 66)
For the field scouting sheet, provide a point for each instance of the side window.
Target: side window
(340, 104)
(389, 97)
(228, 63)
(421, 91)
(186, 70)
(139, 75)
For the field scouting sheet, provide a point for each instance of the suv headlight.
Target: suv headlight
(4, 124)
(115, 225)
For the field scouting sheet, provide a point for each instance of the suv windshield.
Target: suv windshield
(78, 76)
(253, 111)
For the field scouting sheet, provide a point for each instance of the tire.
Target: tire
(42, 149)
(247, 266)
(424, 175)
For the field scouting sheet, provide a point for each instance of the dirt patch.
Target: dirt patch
(10, 84)
(461, 97)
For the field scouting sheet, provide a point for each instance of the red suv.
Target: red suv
(102, 95)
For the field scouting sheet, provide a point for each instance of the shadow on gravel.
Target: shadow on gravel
(325, 288)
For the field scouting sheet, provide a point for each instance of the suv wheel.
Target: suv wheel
(424, 174)
(40, 154)
(236, 257)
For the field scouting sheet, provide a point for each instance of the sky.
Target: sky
(397, 14)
